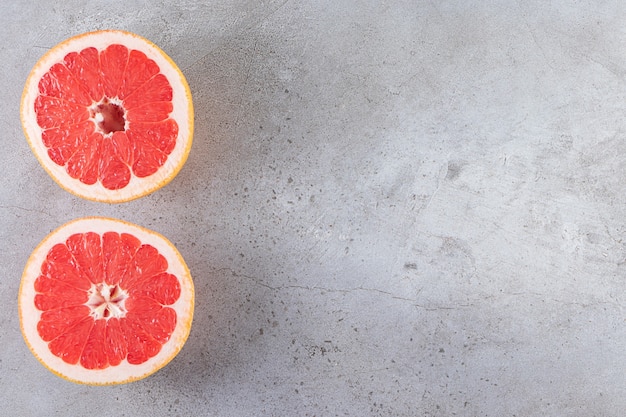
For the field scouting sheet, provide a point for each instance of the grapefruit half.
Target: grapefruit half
(108, 115)
(103, 301)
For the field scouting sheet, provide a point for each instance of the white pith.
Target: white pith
(97, 117)
(125, 372)
(182, 113)
(107, 301)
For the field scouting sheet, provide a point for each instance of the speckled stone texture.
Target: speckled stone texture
(400, 208)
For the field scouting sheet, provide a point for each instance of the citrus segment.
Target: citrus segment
(108, 115)
(139, 70)
(103, 301)
(84, 67)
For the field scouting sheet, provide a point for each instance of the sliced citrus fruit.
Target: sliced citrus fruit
(103, 301)
(108, 115)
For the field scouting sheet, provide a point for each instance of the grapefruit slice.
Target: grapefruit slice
(103, 301)
(108, 115)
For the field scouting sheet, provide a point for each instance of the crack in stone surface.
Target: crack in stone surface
(414, 302)
(26, 209)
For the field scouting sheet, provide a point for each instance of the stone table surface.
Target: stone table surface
(397, 208)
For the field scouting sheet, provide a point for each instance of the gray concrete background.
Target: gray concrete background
(400, 208)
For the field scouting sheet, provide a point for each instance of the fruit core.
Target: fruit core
(107, 301)
(109, 116)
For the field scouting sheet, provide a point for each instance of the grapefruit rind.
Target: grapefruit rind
(183, 113)
(29, 315)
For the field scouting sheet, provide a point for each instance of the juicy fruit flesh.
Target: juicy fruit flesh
(105, 299)
(105, 115)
